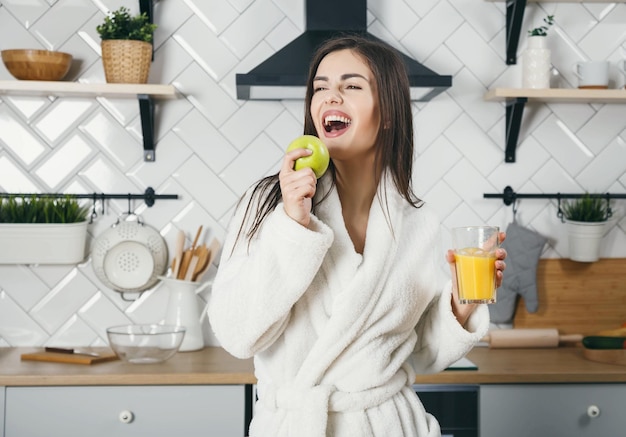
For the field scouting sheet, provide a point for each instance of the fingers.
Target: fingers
(297, 187)
(290, 159)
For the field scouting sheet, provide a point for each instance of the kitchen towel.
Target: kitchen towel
(523, 247)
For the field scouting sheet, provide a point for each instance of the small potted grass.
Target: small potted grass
(586, 218)
(42, 230)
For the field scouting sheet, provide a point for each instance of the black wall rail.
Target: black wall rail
(510, 197)
(149, 197)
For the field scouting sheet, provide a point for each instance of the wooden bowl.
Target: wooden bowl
(36, 64)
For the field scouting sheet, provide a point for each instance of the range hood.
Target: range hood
(284, 74)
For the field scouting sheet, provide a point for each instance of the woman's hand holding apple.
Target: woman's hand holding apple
(297, 187)
(306, 160)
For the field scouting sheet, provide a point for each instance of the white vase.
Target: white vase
(536, 63)
(584, 240)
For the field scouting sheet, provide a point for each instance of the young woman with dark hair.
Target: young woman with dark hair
(334, 285)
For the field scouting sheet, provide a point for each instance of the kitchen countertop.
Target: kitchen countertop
(215, 366)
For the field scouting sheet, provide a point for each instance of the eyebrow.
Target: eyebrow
(343, 77)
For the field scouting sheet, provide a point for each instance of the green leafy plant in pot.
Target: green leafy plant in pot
(126, 46)
(586, 218)
(536, 59)
(42, 230)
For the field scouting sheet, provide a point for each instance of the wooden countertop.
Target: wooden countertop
(215, 366)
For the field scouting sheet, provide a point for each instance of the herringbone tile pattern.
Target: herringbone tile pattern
(211, 147)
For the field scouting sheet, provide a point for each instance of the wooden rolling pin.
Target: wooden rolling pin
(528, 338)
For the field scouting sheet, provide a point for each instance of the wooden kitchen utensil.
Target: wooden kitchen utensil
(528, 338)
(187, 256)
(72, 358)
(609, 356)
(213, 249)
(180, 245)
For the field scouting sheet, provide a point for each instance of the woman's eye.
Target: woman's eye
(318, 88)
(353, 87)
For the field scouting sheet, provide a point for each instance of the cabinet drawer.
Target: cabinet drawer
(568, 410)
(125, 411)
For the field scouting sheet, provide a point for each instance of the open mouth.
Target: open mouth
(336, 123)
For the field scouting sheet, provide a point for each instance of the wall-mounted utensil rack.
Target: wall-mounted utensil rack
(509, 196)
(148, 196)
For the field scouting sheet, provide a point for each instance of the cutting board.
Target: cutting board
(57, 357)
(610, 356)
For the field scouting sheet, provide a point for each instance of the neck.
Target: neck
(356, 186)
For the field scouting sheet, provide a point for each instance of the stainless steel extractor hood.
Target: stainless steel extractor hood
(284, 74)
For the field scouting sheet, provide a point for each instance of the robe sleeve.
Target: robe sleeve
(441, 339)
(258, 283)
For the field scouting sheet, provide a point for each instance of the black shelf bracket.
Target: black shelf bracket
(146, 111)
(514, 17)
(146, 104)
(147, 7)
(514, 112)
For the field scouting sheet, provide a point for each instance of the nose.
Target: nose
(332, 97)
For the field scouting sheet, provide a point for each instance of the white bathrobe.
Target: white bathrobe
(338, 336)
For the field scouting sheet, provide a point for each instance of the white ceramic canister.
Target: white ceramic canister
(536, 63)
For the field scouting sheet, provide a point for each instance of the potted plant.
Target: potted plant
(586, 218)
(536, 63)
(126, 46)
(42, 230)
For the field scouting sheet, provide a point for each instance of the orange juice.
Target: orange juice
(476, 275)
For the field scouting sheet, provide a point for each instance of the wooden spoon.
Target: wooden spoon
(213, 249)
(203, 261)
(180, 245)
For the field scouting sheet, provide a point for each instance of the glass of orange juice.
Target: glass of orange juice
(475, 259)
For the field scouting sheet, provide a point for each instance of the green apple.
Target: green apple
(318, 161)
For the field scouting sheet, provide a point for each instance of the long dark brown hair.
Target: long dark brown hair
(394, 142)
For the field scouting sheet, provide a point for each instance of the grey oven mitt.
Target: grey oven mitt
(523, 247)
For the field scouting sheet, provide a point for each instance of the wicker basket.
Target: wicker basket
(126, 61)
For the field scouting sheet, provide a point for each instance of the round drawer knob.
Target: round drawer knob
(593, 411)
(126, 416)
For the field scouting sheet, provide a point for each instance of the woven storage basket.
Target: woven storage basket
(126, 61)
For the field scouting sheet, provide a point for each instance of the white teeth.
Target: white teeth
(332, 118)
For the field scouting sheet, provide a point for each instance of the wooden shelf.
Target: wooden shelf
(144, 93)
(564, 95)
(77, 89)
(516, 98)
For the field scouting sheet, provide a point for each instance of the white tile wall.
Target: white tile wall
(210, 146)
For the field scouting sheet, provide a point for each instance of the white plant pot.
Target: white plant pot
(42, 243)
(536, 64)
(584, 240)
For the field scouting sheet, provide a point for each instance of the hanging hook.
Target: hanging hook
(514, 207)
(130, 212)
(94, 213)
(559, 212)
(102, 203)
(609, 212)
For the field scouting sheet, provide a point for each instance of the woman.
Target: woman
(332, 284)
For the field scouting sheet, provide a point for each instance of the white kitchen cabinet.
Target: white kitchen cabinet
(2, 411)
(199, 410)
(554, 410)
